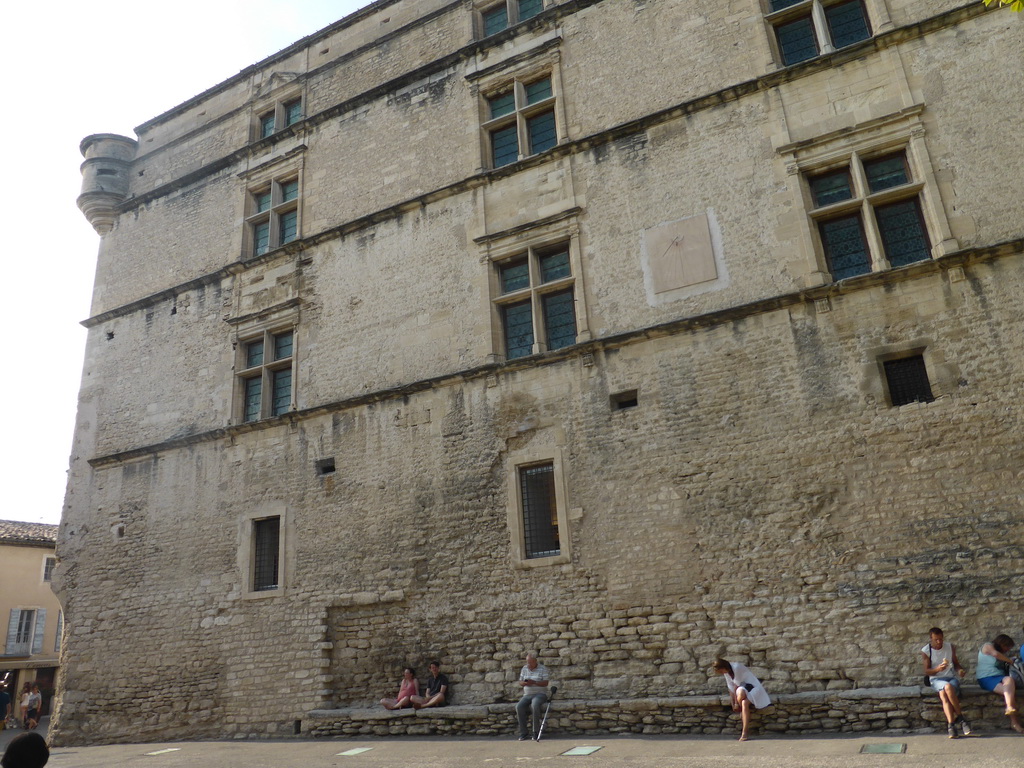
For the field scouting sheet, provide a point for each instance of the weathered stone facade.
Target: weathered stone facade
(729, 473)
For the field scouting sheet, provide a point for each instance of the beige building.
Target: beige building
(34, 620)
(634, 332)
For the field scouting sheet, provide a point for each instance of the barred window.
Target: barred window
(540, 510)
(907, 380)
(266, 535)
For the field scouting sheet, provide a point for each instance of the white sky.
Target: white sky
(75, 69)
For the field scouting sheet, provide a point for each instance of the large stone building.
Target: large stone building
(630, 331)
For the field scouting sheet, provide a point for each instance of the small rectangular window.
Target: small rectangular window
(521, 120)
(274, 215)
(266, 535)
(26, 627)
(293, 112)
(540, 511)
(796, 41)
(266, 368)
(518, 322)
(804, 29)
(622, 401)
(846, 250)
(48, 565)
(495, 19)
(907, 380)
(530, 8)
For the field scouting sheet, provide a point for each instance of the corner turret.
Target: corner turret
(105, 177)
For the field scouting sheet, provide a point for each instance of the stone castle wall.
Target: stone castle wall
(762, 501)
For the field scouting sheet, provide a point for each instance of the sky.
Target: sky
(75, 69)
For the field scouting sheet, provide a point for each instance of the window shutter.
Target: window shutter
(12, 631)
(37, 636)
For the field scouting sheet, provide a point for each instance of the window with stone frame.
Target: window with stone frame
(273, 218)
(868, 214)
(520, 118)
(803, 29)
(265, 374)
(906, 380)
(266, 554)
(497, 16)
(536, 300)
(538, 514)
(277, 117)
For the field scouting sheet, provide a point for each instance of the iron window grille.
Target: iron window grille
(266, 535)
(804, 29)
(907, 380)
(869, 215)
(266, 375)
(499, 16)
(536, 301)
(274, 219)
(520, 120)
(540, 510)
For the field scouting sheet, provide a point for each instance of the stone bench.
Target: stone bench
(902, 709)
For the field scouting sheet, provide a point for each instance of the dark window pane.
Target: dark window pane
(293, 112)
(541, 131)
(845, 248)
(283, 345)
(778, 5)
(504, 146)
(261, 237)
(495, 19)
(554, 266)
(903, 233)
(289, 190)
(530, 8)
(266, 535)
(281, 397)
(518, 322)
(559, 318)
(253, 354)
(796, 41)
(266, 125)
(886, 172)
(847, 23)
(908, 381)
(831, 188)
(289, 226)
(263, 201)
(514, 276)
(538, 90)
(540, 511)
(502, 104)
(253, 398)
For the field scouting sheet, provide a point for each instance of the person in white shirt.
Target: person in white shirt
(745, 691)
(943, 670)
(533, 679)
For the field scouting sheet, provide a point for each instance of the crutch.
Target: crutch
(544, 720)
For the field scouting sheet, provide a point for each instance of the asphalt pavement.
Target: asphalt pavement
(992, 750)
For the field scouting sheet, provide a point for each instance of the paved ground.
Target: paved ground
(1001, 750)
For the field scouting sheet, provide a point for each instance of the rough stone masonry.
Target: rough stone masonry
(608, 329)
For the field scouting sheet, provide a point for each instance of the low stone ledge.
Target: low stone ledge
(897, 709)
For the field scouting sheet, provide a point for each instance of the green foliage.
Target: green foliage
(1015, 5)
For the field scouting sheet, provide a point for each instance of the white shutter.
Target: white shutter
(12, 631)
(37, 636)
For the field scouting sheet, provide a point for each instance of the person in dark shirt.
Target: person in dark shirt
(437, 689)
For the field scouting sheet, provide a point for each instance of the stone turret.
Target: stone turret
(105, 177)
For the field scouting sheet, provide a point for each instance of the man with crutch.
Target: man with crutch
(534, 679)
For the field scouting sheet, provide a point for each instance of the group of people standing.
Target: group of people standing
(30, 704)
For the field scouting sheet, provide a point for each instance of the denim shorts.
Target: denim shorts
(990, 683)
(938, 683)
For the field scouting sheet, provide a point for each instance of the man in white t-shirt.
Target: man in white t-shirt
(534, 679)
(943, 670)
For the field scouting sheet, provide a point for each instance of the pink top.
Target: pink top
(407, 688)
